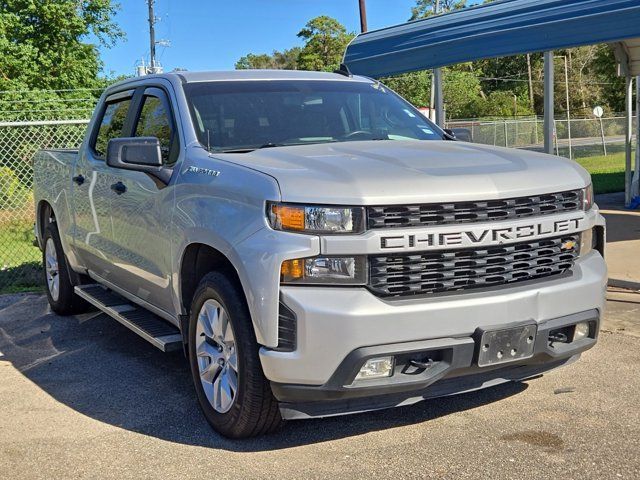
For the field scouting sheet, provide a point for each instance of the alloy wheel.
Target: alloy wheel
(216, 356)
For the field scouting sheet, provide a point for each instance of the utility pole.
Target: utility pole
(363, 16)
(533, 108)
(152, 38)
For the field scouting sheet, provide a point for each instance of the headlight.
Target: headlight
(325, 270)
(315, 219)
(587, 197)
(587, 241)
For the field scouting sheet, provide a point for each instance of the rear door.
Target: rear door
(141, 216)
(92, 181)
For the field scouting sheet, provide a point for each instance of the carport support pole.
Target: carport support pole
(635, 182)
(439, 101)
(548, 103)
(628, 134)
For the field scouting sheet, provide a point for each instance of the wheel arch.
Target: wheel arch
(197, 260)
(45, 215)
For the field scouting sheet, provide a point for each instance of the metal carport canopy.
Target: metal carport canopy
(507, 27)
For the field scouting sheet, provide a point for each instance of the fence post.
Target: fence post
(506, 142)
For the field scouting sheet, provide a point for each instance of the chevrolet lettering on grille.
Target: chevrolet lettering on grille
(480, 236)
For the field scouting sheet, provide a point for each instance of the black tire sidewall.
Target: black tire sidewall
(217, 287)
(65, 304)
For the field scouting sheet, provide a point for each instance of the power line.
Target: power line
(7, 92)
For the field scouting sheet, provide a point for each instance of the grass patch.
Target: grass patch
(20, 268)
(607, 172)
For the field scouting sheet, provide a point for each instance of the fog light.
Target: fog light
(376, 368)
(581, 331)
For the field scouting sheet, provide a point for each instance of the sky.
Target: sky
(214, 34)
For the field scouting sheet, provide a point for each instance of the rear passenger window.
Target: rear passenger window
(154, 122)
(111, 126)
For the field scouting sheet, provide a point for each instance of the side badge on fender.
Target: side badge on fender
(203, 171)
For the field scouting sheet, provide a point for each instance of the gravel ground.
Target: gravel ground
(82, 397)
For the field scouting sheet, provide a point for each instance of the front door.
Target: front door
(91, 187)
(141, 214)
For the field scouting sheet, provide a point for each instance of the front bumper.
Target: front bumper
(454, 371)
(333, 323)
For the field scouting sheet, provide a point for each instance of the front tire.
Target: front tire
(232, 391)
(60, 294)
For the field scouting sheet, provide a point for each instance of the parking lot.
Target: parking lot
(82, 397)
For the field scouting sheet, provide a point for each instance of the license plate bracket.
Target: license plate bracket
(506, 345)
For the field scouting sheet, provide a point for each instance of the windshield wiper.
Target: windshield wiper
(271, 145)
(268, 145)
(249, 149)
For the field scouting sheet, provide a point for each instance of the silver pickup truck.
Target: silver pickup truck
(316, 246)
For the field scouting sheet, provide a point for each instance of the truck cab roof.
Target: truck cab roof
(246, 75)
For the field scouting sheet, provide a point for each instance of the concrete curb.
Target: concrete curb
(626, 284)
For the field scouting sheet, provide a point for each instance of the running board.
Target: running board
(149, 326)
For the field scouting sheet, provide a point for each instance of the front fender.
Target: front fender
(257, 260)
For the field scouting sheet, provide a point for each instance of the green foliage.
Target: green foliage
(44, 47)
(325, 41)
(284, 60)
(414, 87)
(425, 8)
(461, 93)
(503, 103)
(492, 87)
(42, 42)
(612, 93)
(13, 193)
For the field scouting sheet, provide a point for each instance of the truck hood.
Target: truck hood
(389, 171)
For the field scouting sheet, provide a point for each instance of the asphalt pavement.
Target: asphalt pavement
(83, 397)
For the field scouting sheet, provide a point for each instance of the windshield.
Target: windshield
(240, 116)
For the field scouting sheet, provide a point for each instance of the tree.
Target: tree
(284, 60)
(425, 8)
(43, 43)
(414, 87)
(325, 41)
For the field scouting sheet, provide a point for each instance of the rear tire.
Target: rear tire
(232, 391)
(60, 293)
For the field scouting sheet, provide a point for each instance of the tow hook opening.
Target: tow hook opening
(422, 362)
(571, 333)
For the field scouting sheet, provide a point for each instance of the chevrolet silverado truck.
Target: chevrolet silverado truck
(316, 246)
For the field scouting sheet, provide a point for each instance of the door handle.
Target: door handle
(79, 179)
(119, 188)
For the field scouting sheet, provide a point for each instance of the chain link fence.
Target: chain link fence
(589, 134)
(19, 258)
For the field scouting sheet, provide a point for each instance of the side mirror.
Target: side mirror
(462, 134)
(450, 133)
(142, 154)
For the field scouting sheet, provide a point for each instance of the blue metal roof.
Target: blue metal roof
(497, 29)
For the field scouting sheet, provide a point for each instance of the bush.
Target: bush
(13, 193)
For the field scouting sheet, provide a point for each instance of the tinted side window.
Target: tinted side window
(154, 122)
(111, 125)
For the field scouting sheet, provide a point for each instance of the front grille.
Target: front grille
(396, 216)
(401, 275)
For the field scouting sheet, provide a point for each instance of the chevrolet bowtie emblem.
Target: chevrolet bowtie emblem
(568, 245)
